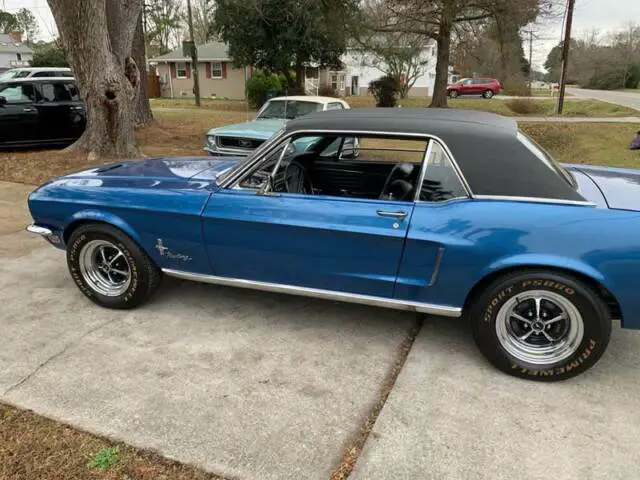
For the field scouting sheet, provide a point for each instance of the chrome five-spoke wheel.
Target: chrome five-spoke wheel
(539, 327)
(105, 268)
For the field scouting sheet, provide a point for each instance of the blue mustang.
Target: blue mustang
(444, 212)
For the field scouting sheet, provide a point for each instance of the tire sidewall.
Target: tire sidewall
(75, 246)
(594, 316)
(488, 94)
(453, 94)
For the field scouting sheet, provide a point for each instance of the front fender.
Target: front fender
(91, 215)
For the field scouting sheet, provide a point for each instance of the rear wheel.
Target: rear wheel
(541, 325)
(487, 94)
(110, 268)
(453, 94)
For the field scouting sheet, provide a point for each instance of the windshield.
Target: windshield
(14, 73)
(288, 109)
(258, 151)
(547, 159)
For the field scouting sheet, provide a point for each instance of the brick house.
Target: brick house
(217, 75)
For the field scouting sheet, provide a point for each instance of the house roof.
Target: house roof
(9, 45)
(216, 51)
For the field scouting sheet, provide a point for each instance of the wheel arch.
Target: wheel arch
(593, 280)
(95, 216)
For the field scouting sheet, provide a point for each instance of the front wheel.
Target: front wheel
(110, 268)
(487, 94)
(453, 94)
(540, 325)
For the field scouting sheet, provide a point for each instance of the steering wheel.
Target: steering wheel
(297, 179)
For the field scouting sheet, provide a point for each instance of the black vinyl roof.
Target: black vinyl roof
(484, 145)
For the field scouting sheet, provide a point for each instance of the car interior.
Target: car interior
(386, 169)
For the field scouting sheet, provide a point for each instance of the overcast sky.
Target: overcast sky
(603, 15)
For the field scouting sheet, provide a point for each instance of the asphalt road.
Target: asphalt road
(626, 99)
(252, 385)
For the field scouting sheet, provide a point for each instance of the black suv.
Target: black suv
(40, 111)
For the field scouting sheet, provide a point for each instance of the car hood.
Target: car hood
(258, 129)
(165, 168)
(619, 186)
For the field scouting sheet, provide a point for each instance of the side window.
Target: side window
(335, 106)
(74, 92)
(42, 74)
(441, 181)
(19, 93)
(55, 92)
(364, 167)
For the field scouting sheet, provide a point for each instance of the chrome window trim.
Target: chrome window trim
(554, 201)
(234, 177)
(423, 171)
(429, 308)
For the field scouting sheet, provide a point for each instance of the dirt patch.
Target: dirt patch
(36, 448)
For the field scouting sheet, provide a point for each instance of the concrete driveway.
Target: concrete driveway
(252, 385)
(626, 99)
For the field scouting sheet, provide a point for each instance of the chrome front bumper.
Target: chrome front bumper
(44, 232)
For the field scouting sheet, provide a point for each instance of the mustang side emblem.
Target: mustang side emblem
(165, 252)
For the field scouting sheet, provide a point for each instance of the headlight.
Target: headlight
(211, 141)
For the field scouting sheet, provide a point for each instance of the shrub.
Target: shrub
(327, 91)
(261, 86)
(525, 106)
(385, 91)
(515, 86)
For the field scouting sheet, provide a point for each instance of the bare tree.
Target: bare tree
(438, 19)
(203, 14)
(98, 36)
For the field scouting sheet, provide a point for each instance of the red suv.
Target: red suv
(487, 87)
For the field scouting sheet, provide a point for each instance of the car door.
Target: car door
(18, 114)
(55, 119)
(305, 240)
(466, 86)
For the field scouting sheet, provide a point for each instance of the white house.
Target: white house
(13, 53)
(361, 69)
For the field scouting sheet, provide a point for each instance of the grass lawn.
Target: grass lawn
(573, 108)
(182, 132)
(36, 448)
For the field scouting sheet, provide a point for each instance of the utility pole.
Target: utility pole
(565, 55)
(530, 61)
(194, 56)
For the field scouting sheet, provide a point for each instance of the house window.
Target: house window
(181, 70)
(216, 69)
(337, 81)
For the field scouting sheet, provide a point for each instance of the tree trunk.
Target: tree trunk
(299, 78)
(98, 35)
(143, 115)
(443, 40)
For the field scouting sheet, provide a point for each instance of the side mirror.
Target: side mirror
(3, 101)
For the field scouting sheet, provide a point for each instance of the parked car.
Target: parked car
(243, 138)
(538, 257)
(37, 72)
(487, 87)
(40, 111)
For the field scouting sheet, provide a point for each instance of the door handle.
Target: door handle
(398, 215)
(76, 109)
(29, 110)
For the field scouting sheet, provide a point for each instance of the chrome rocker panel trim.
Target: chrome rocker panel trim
(439, 310)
